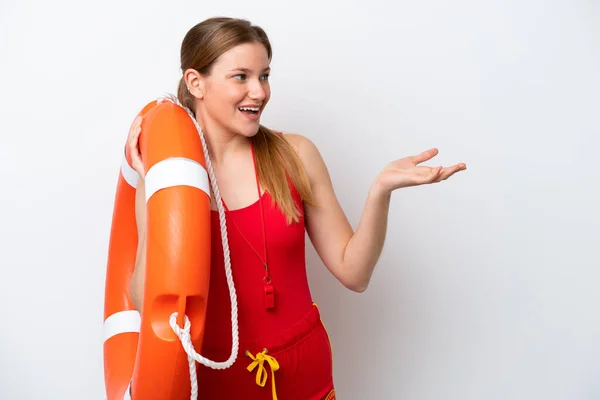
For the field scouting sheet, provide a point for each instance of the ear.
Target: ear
(194, 82)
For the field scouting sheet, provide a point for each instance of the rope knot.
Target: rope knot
(261, 373)
(179, 330)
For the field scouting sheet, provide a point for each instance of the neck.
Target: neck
(222, 144)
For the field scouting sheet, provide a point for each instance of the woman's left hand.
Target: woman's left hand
(407, 172)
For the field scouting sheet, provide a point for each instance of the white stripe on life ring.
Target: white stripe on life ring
(176, 171)
(131, 177)
(122, 322)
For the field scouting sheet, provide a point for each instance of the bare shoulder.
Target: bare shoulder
(308, 153)
(294, 139)
(304, 147)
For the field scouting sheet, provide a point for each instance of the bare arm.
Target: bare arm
(136, 285)
(364, 248)
(350, 255)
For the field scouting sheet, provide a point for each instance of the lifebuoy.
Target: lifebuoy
(143, 354)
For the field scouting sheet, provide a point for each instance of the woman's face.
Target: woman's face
(237, 90)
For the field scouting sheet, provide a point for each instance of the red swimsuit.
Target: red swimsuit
(291, 332)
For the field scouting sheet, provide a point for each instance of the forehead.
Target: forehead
(252, 56)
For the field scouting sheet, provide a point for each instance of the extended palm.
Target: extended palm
(407, 171)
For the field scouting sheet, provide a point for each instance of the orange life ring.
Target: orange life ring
(143, 356)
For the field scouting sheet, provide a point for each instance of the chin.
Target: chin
(249, 130)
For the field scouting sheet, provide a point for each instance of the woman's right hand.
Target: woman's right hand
(134, 147)
(138, 166)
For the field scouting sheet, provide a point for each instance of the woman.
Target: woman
(274, 187)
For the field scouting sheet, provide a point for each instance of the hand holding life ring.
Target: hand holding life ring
(133, 146)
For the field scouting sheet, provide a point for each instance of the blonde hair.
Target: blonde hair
(277, 161)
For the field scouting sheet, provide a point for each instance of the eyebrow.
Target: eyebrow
(248, 70)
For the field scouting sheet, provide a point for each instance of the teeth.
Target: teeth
(255, 109)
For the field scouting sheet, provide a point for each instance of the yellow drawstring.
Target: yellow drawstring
(261, 374)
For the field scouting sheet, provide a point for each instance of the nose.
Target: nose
(256, 91)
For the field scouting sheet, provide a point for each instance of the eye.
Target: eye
(240, 77)
(265, 77)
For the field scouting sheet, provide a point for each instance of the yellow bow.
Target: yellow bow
(261, 374)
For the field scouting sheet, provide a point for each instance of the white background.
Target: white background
(488, 284)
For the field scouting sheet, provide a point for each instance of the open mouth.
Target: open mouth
(250, 110)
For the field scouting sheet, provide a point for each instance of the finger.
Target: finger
(459, 167)
(134, 135)
(135, 142)
(430, 175)
(449, 171)
(131, 141)
(424, 156)
(136, 122)
(436, 174)
(134, 151)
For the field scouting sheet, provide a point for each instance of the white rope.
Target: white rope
(184, 334)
